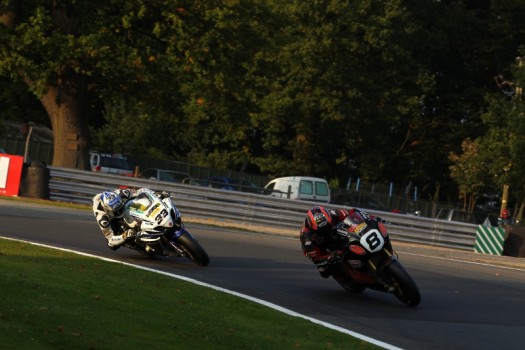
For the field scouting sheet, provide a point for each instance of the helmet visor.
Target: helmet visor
(324, 229)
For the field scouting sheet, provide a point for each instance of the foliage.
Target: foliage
(16, 103)
(501, 147)
(332, 92)
(379, 90)
(470, 173)
(227, 77)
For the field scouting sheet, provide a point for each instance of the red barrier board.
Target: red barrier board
(10, 174)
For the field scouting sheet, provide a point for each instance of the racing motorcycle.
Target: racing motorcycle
(368, 260)
(159, 228)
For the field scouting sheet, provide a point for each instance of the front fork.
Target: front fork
(377, 267)
(173, 241)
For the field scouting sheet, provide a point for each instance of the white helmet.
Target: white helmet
(112, 204)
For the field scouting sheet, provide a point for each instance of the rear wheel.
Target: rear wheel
(193, 250)
(405, 288)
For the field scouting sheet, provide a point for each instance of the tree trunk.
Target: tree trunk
(64, 101)
(64, 104)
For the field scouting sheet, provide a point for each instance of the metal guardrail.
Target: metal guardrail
(248, 209)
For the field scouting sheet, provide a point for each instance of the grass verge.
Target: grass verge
(52, 299)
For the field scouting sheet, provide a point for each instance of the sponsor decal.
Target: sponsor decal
(360, 228)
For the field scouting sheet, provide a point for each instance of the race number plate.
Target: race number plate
(372, 241)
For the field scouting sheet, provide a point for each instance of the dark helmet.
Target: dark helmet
(319, 220)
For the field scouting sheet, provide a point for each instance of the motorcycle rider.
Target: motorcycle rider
(108, 208)
(317, 236)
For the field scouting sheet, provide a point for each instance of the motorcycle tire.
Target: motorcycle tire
(406, 289)
(193, 250)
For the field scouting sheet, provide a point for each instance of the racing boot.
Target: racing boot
(115, 242)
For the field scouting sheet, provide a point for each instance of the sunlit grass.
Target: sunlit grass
(52, 299)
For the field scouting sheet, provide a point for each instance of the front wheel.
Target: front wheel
(405, 288)
(193, 250)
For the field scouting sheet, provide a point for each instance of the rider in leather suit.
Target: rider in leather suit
(108, 208)
(318, 241)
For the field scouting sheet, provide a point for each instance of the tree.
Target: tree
(70, 53)
(332, 103)
(463, 45)
(218, 57)
(381, 90)
(184, 71)
(470, 172)
(500, 149)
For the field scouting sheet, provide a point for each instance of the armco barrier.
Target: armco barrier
(249, 209)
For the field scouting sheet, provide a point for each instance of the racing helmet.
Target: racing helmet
(112, 204)
(319, 220)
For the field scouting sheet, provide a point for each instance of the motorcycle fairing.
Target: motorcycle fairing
(148, 211)
(372, 240)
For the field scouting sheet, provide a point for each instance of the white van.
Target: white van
(110, 163)
(299, 187)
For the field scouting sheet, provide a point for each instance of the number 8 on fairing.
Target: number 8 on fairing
(372, 241)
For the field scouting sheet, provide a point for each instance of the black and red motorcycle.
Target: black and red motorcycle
(368, 260)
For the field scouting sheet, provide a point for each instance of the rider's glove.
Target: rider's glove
(334, 259)
(378, 219)
(321, 263)
(163, 194)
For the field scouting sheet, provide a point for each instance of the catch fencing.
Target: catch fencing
(275, 215)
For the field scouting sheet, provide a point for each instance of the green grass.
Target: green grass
(51, 299)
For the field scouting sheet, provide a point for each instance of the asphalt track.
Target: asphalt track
(467, 302)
